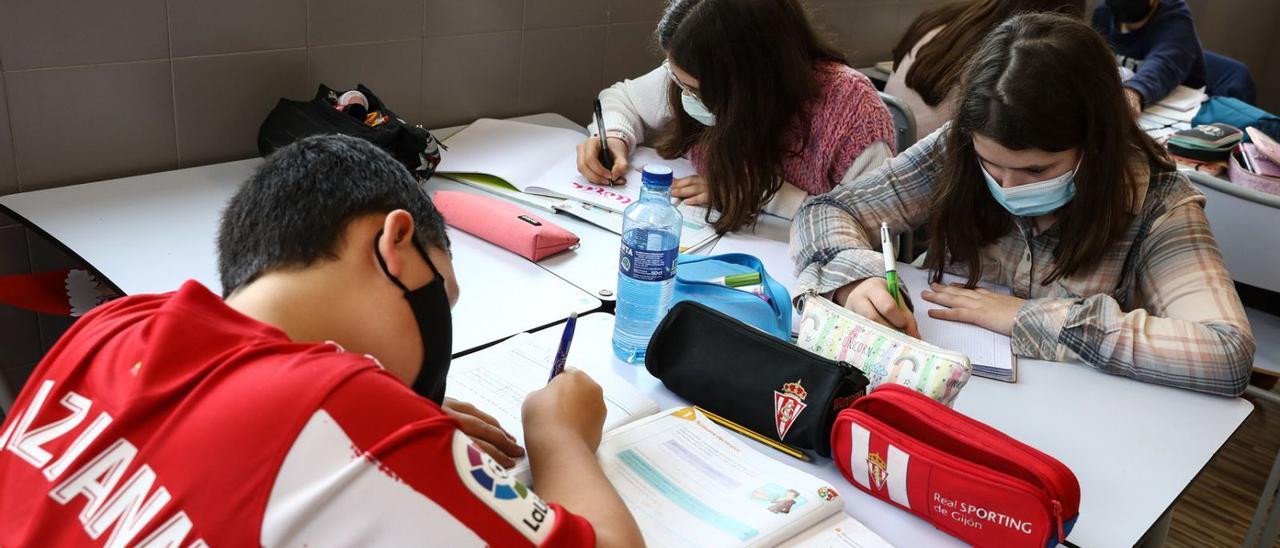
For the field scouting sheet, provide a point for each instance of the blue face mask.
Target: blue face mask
(1033, 199)
(696, 110)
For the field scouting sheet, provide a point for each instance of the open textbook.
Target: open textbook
(690, 482)
(989, 352)
(497, 380)
(687, 481)
(537, 165)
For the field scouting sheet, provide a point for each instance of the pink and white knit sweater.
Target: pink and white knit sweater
(844, 118)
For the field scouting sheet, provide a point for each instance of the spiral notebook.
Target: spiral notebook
(539, 162)
(989, 352)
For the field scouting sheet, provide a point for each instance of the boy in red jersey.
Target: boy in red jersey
(286, 414)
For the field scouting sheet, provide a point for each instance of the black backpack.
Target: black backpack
(289, 121)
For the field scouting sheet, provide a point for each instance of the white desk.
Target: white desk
(1133, 446)
(148, 234)
(593, 266)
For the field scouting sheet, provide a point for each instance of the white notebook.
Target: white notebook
(499, 378)
(542, 161)
(989, 352)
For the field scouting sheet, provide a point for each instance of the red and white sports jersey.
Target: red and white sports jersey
(173, 420)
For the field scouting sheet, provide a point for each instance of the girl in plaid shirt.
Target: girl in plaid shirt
(1043, 183)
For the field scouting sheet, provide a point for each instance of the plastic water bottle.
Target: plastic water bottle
(646, 264)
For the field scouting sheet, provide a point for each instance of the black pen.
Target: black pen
(605, 157)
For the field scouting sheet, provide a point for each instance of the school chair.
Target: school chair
(904, 122)
(1240, 217)
(1228, 77)
(1266, 520)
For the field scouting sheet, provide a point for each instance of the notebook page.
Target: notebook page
(690, 482)
(497, 379)
(563, 179)
(984, 347)
(516, 152)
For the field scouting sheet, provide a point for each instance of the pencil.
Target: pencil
(786, 449)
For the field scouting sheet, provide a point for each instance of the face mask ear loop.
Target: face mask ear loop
(383, 263)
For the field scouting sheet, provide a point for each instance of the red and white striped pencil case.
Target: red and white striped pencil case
(964, 477)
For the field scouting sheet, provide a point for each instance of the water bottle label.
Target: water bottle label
(648, 266)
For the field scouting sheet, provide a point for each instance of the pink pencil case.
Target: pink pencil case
(504, 224)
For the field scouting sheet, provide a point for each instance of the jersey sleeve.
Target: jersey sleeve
(379, 465)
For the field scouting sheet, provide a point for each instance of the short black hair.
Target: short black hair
(295, 208)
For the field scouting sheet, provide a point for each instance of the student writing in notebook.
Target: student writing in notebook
(1157, 41)
(930, 57)
(767, 112)
(1043, 184)
(286, 413)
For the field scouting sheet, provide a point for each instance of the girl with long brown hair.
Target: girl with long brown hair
(1043, 183)
(767, 112)
(928, 60)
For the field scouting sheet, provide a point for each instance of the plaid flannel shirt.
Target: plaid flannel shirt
(1164, 311)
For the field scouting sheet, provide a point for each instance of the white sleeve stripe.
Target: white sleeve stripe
(323, 483)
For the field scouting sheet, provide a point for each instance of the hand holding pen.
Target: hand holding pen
(566, 340)
(602, 160)
(880, 299)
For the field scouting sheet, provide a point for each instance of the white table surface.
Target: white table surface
(593, 267)
(150, 233)
(1133, 446)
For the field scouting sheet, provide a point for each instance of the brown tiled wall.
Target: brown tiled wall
(95, 90)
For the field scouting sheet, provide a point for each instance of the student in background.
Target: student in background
(767, 112)
(284, 415)
(1157, 41)
(928, 60)
(1042, 183)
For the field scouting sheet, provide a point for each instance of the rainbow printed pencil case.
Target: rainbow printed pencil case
(882, 354)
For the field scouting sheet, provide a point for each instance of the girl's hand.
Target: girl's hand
(976, 306)
(870, 298)
(589, 161)
(693, 190)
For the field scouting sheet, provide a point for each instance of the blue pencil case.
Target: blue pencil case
(767, 309)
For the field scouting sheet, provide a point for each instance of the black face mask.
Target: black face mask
(1129, 11)
(430, 305)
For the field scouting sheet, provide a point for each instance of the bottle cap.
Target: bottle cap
(656, 175)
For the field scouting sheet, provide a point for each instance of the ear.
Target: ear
(396, 239)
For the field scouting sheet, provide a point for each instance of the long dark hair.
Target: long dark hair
(754, 61)
(937, 66)
(1046, 82)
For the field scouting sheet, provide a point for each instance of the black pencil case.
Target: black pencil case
(734, 370)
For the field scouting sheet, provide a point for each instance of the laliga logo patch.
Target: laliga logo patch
(492, 478)
(787, 405)
(879, 472)
(493, 486)
(828, 494)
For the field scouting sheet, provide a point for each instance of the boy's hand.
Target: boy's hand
(483, 429)
(569, 408)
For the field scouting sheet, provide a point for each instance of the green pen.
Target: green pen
(890, 265)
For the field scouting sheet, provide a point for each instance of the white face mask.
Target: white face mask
(689, 101)
(696, 110)
(1033, 199)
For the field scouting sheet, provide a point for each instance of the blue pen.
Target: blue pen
(566, 339)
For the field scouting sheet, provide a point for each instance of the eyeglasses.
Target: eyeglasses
(686, 90)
